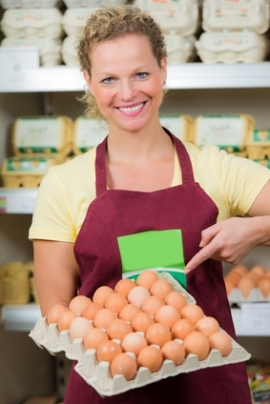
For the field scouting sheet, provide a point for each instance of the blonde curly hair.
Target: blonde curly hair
(109, 23)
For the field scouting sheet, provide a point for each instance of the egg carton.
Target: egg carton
(220, 15)
(97, 374)
(32, 23)
(29, 3)
(91, 3)
(48, 49)
(255, 295)
(258, 145)
(232, 47)
(87, 134)
(180, 49)
(179, 16)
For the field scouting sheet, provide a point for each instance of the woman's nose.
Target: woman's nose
(127, 91)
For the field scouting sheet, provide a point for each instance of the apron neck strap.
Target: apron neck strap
(100, 164)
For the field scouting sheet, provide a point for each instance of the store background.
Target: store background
(25, 369)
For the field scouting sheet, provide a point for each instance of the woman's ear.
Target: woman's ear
(164, 70)
(88, 81)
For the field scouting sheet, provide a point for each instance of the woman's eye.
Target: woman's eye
(108, 80)
(142, 75)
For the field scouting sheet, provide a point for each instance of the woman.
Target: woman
(142, 178)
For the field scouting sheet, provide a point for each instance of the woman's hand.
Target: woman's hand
(231, 240)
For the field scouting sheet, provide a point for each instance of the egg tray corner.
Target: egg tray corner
(98, 374)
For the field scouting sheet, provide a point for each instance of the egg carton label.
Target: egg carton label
(88, 133)
(98, 375)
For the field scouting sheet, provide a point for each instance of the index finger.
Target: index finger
(205, 253)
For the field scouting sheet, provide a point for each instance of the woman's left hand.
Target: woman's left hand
(231, 239)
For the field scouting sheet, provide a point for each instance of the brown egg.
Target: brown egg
(78, 304)
(192, 312)
(158, 334)
(54, 313)
(94, 337)
(229, 285)
(141, 322)
(233, 277)
(207, 325)
(91, 310)
(259, 270)
(197, 344)
(167, 315)
(107, 351)
(134, 342)
(161, 288)
(182, 328)
(221, 341)
(138, 295)
(150, 357)
(176, 299)
(115, 302)
(240, 268)
(79, 326)
(151, 305)
(264, 286)
(128, 312)
(147, 278)
(101, 294)
(267, 273)
(125, 365)
(65, 319)
(118, 328)
(174, 351)
(245, 285)
(103, 318)
(124, 286)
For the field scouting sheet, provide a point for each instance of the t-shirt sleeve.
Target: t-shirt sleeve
(239, 178)
(52, 219)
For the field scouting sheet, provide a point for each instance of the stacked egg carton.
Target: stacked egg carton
(179, 125)
(87, 133)
(258, 146)
(33, 23)
(88, 334)
(228, 132)
(73, 22)
(234, 31)
(179, 21)
(38, 143)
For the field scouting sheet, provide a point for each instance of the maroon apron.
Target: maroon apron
(117, 213)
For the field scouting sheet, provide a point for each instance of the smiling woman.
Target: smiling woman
(142, 178)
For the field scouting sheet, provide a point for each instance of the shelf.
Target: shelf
(24, 318)
(17, 200)
(20, 317)
(184, 76)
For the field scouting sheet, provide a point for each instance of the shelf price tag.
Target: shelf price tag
(14, 60)
(255, 319)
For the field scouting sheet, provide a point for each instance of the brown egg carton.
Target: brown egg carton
(255, 296)
(97, 374)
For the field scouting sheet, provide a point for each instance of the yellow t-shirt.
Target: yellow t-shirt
(67, 190)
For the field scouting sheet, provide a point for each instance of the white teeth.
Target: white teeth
(131, 109)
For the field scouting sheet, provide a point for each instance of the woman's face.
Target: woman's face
(127, 82)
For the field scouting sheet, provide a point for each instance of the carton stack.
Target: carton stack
(179, 21)
(38, 142)
(33, 23)
(234, 31)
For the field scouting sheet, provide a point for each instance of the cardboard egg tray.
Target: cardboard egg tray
(98, 374)
(255, 295)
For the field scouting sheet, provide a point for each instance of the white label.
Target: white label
(220, 131)
(255, 319)
(90, 133)
(14, 60)
(175, 125)
(38, 133)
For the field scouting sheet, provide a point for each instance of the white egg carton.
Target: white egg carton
(92, 3)
(181, 16)
(180, 49)
(232, 47)
(255, 296)
(74, 20)
(220, 15)
(28, 3)
(69, 52)
(98, 374)
(32, 23)
(49, 49)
